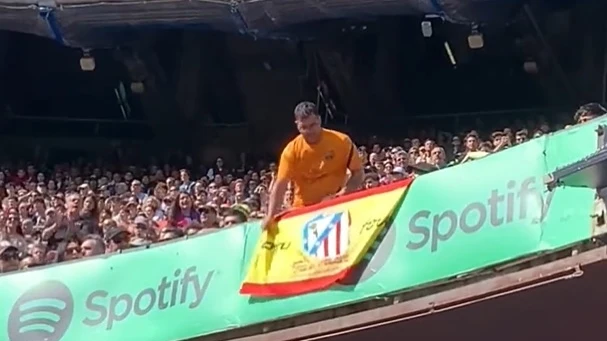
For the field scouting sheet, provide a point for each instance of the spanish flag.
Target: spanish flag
(314, 247)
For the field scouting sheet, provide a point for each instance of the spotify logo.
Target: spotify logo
(43, 313)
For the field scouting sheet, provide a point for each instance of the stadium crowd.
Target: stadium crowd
(69, 211)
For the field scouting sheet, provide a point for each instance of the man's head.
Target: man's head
(73, 202)
(208, 216)
(237, 214)
(521, 136)
(496, 137)
(136, 186)
(471, 142)
(92, 246)
(184, 175)
(117, 239)
(308, 121)
(589, 111)
(9, 258)
(38, 253)
(371, 180)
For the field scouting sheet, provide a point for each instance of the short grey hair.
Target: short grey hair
(305, 109)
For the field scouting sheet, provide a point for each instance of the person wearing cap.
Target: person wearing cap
(398, 173)
(317, 162)
(142, 228)
(117, 239)
(208, 217)
(237, 214)
(588, 112)
(9, 258)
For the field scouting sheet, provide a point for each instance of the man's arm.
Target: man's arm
(355, 166)
(277, 194)
(279, 185)
(355, 181)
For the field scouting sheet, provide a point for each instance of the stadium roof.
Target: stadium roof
(86, 23)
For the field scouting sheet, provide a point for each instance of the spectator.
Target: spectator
(70, 211)
(588, 112)
(182, 213)
(9, 258)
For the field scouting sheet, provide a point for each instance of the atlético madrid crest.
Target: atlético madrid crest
(326, 236)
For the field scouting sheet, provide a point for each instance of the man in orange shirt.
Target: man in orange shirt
(316, 162)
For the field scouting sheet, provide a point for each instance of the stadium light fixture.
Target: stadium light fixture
(530, 66)
(475, 39)
(87, 62)
(427, 28)
(137, 87)
(450, 54)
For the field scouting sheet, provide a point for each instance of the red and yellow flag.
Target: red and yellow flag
(314, 247)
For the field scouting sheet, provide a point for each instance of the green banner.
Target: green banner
(451, 222)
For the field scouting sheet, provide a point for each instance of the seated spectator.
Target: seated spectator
(38, 254)
(588, 112)
(117, 239)
(238, 214)
(9, 258)
(92, 246)
(182, 212)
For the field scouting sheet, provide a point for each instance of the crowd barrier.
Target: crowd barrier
(451, 222)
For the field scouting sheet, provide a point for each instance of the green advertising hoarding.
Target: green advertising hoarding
(451, 222)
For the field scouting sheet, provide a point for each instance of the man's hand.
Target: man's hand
(333, 196)
(328, 197)
(268, 223)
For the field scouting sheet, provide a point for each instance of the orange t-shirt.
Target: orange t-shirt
(318, 170)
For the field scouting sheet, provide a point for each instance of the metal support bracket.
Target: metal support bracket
(238, 18)
(589, 172)
(46, 10)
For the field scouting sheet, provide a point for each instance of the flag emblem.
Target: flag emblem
(326, 236)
